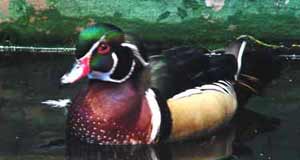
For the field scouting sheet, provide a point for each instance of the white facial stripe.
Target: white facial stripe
(136, 53)
(116, 60)
(105, 76)
(132, 46)
(72, 76)
(94, 46)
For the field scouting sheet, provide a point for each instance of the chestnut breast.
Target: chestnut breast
(107, 113)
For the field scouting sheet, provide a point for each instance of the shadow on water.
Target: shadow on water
(29, 130)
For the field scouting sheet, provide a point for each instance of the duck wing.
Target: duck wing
(181, 68)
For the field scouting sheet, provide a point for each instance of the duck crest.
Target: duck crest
(111, 114)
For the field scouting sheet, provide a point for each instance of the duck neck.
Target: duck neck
(102, 86)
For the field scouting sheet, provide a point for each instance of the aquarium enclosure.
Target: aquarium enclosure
(38, 44)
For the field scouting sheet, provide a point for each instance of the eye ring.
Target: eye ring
(103, 49)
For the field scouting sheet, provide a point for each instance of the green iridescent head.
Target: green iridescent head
(91, 34)
(104, 52)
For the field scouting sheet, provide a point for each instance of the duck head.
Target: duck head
(104, 52)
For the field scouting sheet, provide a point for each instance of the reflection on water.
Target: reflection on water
(215, 147)
(30, 130)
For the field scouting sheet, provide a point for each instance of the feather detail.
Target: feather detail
(60, 103)
(156, 114)
(240, 82)
(249, 77)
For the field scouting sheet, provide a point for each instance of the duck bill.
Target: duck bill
(81, 69)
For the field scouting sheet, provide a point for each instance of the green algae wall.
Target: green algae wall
(199, 22)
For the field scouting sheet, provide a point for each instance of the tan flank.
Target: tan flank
(200, 114)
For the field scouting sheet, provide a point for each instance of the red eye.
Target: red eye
(103, 49)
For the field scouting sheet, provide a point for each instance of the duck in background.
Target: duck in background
(132, 99)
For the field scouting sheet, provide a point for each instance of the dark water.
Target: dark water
(268, 128)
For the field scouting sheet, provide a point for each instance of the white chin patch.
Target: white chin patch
(73, 75)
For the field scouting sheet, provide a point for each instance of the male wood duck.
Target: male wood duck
(130, 99)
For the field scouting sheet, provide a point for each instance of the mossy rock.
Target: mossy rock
(198, 22)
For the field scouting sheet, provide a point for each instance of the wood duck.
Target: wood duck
(132, 99)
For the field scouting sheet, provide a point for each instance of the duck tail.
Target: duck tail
(257, 67)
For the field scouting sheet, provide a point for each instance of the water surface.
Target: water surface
(269, 127)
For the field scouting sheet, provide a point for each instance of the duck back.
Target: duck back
(182, 68)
